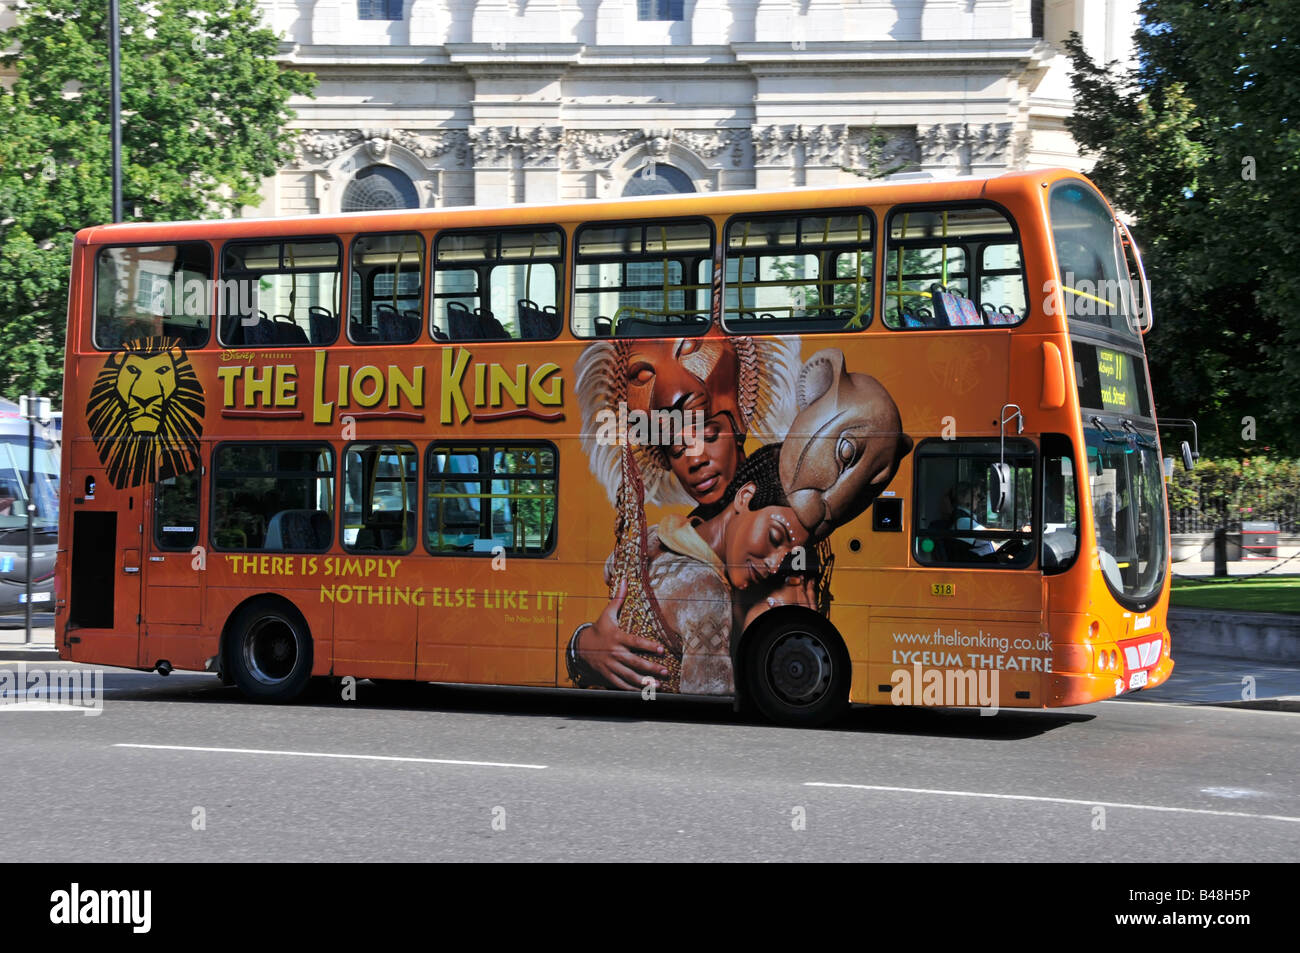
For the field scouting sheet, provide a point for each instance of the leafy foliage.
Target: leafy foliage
(1199, 142)
(204, 107)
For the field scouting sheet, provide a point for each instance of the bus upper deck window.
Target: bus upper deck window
(1091, 263)
(280, 293)
(386, 294)
(957, 267)
(148, 291)
(799, 272)
(643, 279)
(497, 284)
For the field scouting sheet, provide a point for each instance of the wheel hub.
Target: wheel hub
(800, 668)
(270, 651)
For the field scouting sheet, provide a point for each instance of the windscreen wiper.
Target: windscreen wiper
(1111, 436)
(1142, 439)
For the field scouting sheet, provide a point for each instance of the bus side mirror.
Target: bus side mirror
(1189, 459)
(999, 486)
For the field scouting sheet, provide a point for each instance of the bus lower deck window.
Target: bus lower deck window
(273, 497)
(490, 499)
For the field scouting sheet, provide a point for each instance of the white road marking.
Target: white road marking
(1054, 800)
(43, 693)
(44, 706)
(327, 754)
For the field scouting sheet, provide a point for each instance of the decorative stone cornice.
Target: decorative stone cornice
(962, 144)
(322, 146)
(711, 143)
(596, 148)
(435, 143)
(535, 145)
(822, 145)
(325, 145)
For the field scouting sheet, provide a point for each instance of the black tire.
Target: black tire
(797, 672)
(269, 652)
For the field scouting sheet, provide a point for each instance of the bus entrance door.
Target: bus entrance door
(102, 621)
(173, 572)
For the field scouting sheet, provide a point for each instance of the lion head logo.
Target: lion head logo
(146, 412)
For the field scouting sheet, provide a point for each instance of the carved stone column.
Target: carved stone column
(427, 25)
(515, 164)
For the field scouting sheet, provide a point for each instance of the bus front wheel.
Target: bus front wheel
(269, 652)
(797, 672)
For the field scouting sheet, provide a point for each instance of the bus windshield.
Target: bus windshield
(14, 490)
(1090, 260)
(1125, 478)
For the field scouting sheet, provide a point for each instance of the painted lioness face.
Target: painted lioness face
(845, 444)
(145, 385)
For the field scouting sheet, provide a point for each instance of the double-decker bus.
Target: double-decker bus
(883, 444)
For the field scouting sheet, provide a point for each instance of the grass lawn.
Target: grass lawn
(1261, 594)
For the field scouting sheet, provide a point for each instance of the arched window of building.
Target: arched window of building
(379, 9)
(379, 187)
(660, 10)
(655, 178)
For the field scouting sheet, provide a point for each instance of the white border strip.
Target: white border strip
(1054, 800)
(326, 754)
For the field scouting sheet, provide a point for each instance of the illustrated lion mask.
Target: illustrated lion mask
(145, 412)
(844, 446)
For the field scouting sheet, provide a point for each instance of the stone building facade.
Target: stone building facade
(454, 102)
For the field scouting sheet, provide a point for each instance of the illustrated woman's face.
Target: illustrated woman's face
(757, 542)
(706, 475)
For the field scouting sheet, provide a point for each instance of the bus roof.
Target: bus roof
(468, 216)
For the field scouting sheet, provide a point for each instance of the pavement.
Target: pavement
(13, 644)
(1287, 564)
(1197, 679)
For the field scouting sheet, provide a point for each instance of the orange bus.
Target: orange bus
(884, 444)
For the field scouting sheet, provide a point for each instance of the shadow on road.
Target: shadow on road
(609, 707)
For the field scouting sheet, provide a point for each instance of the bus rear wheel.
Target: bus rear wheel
(269, 652)
(797, 673)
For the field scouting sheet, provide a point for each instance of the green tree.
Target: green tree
(204, 108)
(1199, 142)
